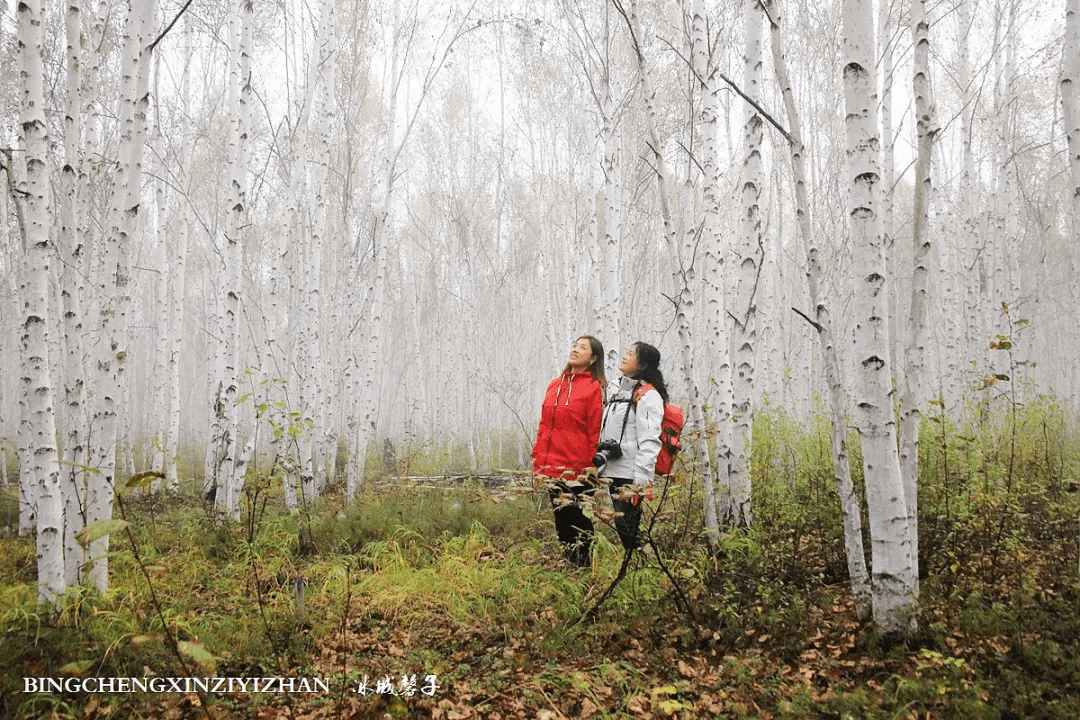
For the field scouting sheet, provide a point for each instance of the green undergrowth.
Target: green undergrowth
(471, 587)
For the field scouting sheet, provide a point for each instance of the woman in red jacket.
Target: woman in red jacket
(566, 443)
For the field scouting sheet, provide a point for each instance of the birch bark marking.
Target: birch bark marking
(735, 508)
(313, 272)
(9, 258)
(611, 327)
(42, 422)
(684, 271)
(291, 223)
(894, 570)
(159, 386)
(608, 209)
(177, 272)
(114, 282)
(969, 239)
(713, 272)
(849, 501)
(73, 480)
(912, 397)
(1004, 209)
(888, 180)
(1070, 102)
(228, 480)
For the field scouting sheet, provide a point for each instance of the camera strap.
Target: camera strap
(631, 404)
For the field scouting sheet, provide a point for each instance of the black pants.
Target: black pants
(575, 529)
(628, 515)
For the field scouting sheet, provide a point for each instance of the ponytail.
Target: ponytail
(649, 368)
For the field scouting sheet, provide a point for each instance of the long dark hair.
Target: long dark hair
(596, 367)
(648, 359)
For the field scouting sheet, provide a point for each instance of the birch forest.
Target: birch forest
(275, 262)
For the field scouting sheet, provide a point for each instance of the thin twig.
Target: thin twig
(170, 638)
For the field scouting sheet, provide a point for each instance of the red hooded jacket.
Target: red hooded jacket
(569, 425)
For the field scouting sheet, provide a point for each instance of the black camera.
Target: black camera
(606, 451)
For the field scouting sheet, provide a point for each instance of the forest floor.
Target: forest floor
(448, 604)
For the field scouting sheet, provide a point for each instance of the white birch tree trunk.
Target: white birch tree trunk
(15, 181)
(608, 208)
(42, 453)
(114, 281)
(885, 30)
(735, 507)
(1070, 102)
(1000, 251)
(73, 479)
(894, 566)
(913, 394)
(314, 428)
(161, 349)
(27, 487)
(713, 272)
(974, 337)
(611, 208)
(229, 479)
(684, 269)
(292, 224)
(177, 293)
(849, 501)
(180, 230)
(369, 393)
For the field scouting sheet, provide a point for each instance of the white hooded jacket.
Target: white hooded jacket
(641, 440)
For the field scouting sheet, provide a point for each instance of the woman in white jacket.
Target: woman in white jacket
(632, 424)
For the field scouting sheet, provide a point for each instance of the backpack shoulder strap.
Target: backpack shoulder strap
(639, 392)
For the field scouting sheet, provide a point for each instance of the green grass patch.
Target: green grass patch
(452, 582)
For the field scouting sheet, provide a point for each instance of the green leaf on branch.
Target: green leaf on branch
(143, 479)
(99, 529)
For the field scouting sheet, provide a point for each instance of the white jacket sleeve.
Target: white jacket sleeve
(650, 414)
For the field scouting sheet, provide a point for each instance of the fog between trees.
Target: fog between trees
(233, 232)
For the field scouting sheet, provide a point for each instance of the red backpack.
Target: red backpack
(670, 427)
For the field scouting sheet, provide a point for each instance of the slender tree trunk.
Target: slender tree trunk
(849, 501)
(114, 280)
(180, 226)
(610, 207)
(316, 366)
(229, 480)
(73, 479)
(913, 396)
(369, 391)
(894, 566)
(885, 30)
(713, 272)
(42, 453)
(159, 385)
(684, 280)
(970, 263)
(1070, 102)
(735, 508)
(27, 488)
